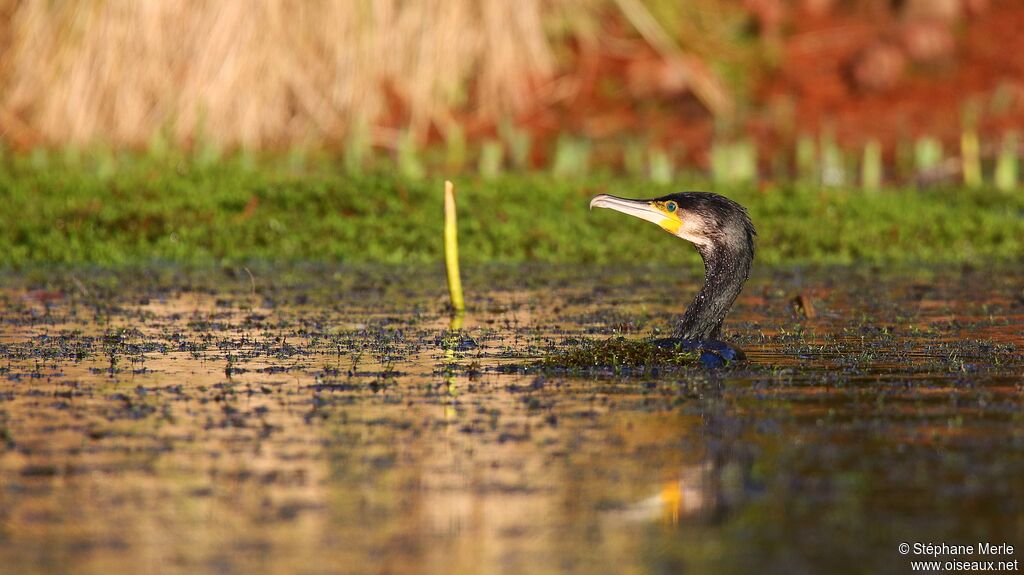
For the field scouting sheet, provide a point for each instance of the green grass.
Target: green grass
(127, 211)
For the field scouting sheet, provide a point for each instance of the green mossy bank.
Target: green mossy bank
(133, 211)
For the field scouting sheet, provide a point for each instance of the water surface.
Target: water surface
(329, 421)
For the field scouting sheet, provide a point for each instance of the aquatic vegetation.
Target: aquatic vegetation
(618, 354)
(140, 210)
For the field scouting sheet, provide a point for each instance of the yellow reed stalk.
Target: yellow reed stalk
(451, 249)
(970, 156)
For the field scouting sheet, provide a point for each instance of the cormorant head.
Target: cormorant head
(724, 236)
(710, 221)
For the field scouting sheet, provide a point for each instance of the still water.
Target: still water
(329, 421)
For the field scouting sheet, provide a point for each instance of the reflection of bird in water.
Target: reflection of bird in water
(724, 236)
(693, 493)
(706, 490)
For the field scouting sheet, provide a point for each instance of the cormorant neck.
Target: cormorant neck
(726, 268)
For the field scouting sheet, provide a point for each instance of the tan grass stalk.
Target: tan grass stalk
(258, 74)
(279, 73)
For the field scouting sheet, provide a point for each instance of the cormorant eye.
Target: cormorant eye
(671, 207)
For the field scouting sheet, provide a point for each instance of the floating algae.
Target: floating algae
(619, 354)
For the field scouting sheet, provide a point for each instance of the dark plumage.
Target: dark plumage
(723, 234)
(728, 256)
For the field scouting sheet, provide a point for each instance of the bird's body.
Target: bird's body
(723, 234)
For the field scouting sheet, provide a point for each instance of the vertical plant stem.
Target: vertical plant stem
(518, 144)
(633, 158)
(1007, 170)
(745, 161)
(807, 160)
(927, 154)
(833, 164)
(721, 162)
(661, 168)
(451, 249)
(357, 147)
(492, 156)
(455, 147)
(970, 156)
(871, 166)
(409, 164)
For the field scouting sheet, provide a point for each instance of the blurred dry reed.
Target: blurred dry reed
(265, 74)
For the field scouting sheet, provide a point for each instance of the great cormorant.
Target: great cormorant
(723, 234)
